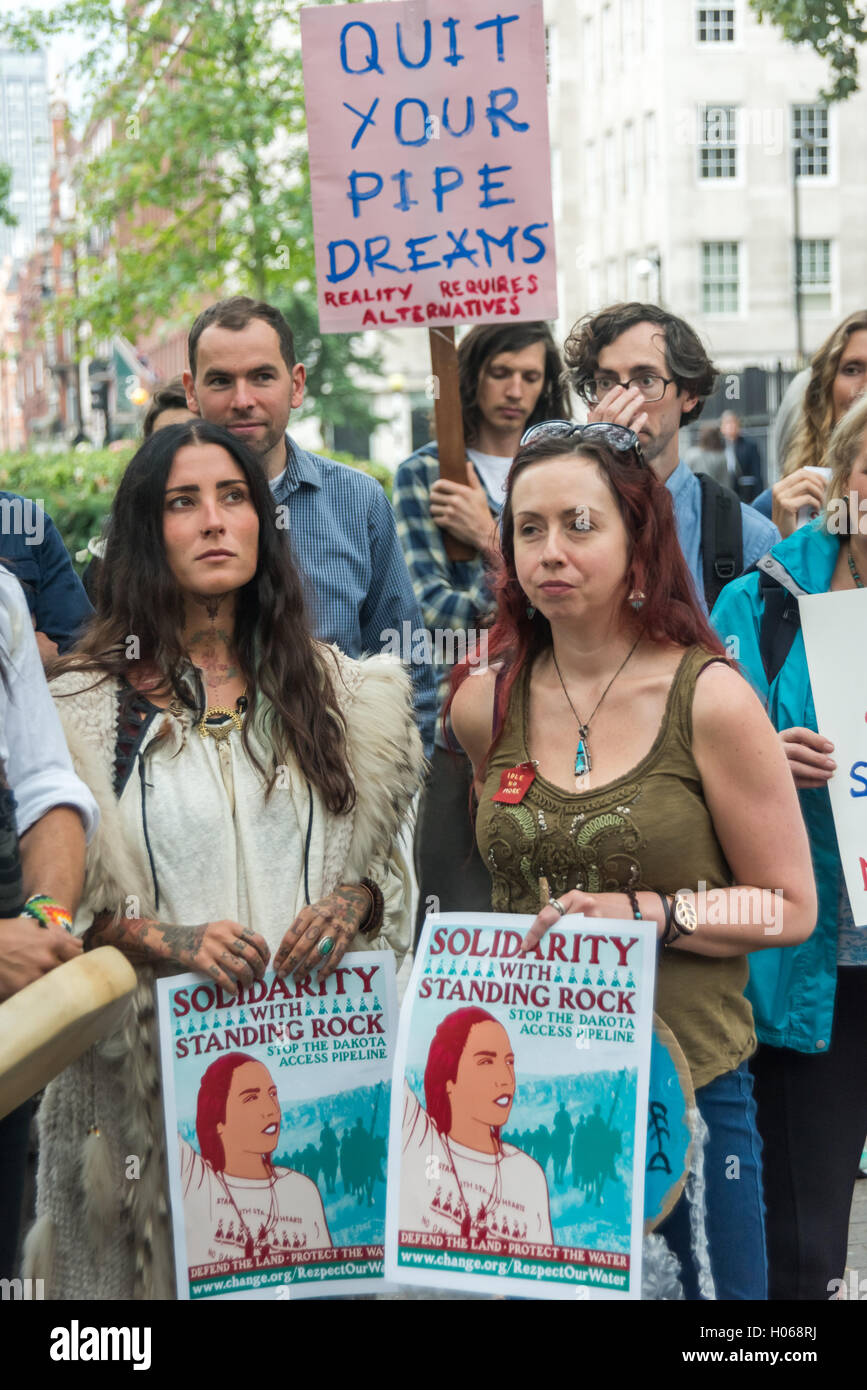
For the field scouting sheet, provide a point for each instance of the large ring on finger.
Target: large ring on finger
(556, 903)
(326, 946)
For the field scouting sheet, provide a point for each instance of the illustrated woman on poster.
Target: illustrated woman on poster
(237, 1204)
(458, 1178)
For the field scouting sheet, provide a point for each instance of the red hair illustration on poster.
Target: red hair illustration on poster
(237, 1203)
(458, 1177)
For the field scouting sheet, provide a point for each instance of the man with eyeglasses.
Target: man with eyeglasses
(639, 366)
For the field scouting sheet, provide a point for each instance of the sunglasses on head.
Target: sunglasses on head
(618, 437)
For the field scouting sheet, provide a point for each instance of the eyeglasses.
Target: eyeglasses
(618, 437)
(651, 386)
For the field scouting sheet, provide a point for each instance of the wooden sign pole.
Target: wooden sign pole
(449, 423)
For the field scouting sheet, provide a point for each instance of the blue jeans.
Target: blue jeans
(733, 1191)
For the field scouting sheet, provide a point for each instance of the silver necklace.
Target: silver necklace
(583, 761)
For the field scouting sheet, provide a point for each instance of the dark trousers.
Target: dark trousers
(14, 1135)
(450, 872)
(812, 1115)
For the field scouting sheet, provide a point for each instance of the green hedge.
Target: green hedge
(76, 489)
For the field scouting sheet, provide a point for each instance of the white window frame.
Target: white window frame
(594, 287)
(716, 43)
(589, 50)
(808, 294)
(631, 181)
(702, 281)
(732, 143)
(613, 290)
(831, 174)
(609, 39)
(611, 185)
(632, 31)
(592, 180)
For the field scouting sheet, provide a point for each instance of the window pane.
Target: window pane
(718, 142)
(810, 138)
(715, 25)
(719, 277)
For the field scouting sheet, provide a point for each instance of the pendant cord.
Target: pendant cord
(493, 1198)
(583, 728)
(859, 582)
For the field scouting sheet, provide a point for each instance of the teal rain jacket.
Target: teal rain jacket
(792, 988)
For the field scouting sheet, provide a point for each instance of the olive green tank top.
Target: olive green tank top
(649, 829)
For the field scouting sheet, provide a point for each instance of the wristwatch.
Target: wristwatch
(683, 914)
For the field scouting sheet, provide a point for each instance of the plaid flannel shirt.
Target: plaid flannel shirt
(452, 594)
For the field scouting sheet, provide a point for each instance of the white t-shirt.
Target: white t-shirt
(493, 471)
(32, 746)
(507, 1193)
(222, 1214)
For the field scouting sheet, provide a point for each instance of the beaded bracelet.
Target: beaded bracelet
(633, 903)
(44, 910)
(373, 922)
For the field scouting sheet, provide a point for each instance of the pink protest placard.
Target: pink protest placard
(429, 161)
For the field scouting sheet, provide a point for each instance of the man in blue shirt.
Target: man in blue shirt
(243, 375)
(638, 365)
(32, 550)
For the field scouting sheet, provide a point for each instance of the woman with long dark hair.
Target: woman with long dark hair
(651, 783)
(252, 783)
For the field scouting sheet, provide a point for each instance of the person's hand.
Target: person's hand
(807, 753)
(230, 954)
(789, 495)
(335, 918)
(463, 510)
(620, 407)
(28, 951)
(590, 904)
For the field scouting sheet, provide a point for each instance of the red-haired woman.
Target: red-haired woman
(649, 770)
(458, 1178)
(237, 1204)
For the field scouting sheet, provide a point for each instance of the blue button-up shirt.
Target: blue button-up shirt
(759, 533)
(32, 550)
(343, 538)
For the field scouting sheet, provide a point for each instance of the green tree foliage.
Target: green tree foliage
(7, 218)
(205, 188)
(834, 28)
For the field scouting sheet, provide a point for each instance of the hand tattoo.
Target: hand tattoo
(146, 940)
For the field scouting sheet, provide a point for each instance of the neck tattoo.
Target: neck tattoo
(211, 604)
(583, 761)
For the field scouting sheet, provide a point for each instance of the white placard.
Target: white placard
(505, 1063)
(835, 637)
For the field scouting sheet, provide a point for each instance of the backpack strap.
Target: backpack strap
(781, 615)
(722, 538)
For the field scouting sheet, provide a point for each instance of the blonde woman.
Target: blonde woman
(809, 1000)
(838, 376)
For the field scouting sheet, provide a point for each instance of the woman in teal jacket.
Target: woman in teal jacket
(809, 1001)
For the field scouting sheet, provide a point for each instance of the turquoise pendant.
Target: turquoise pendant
(582, 755)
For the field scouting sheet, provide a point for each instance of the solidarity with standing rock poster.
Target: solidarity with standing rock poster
(519, 1109)
(276, 1107)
